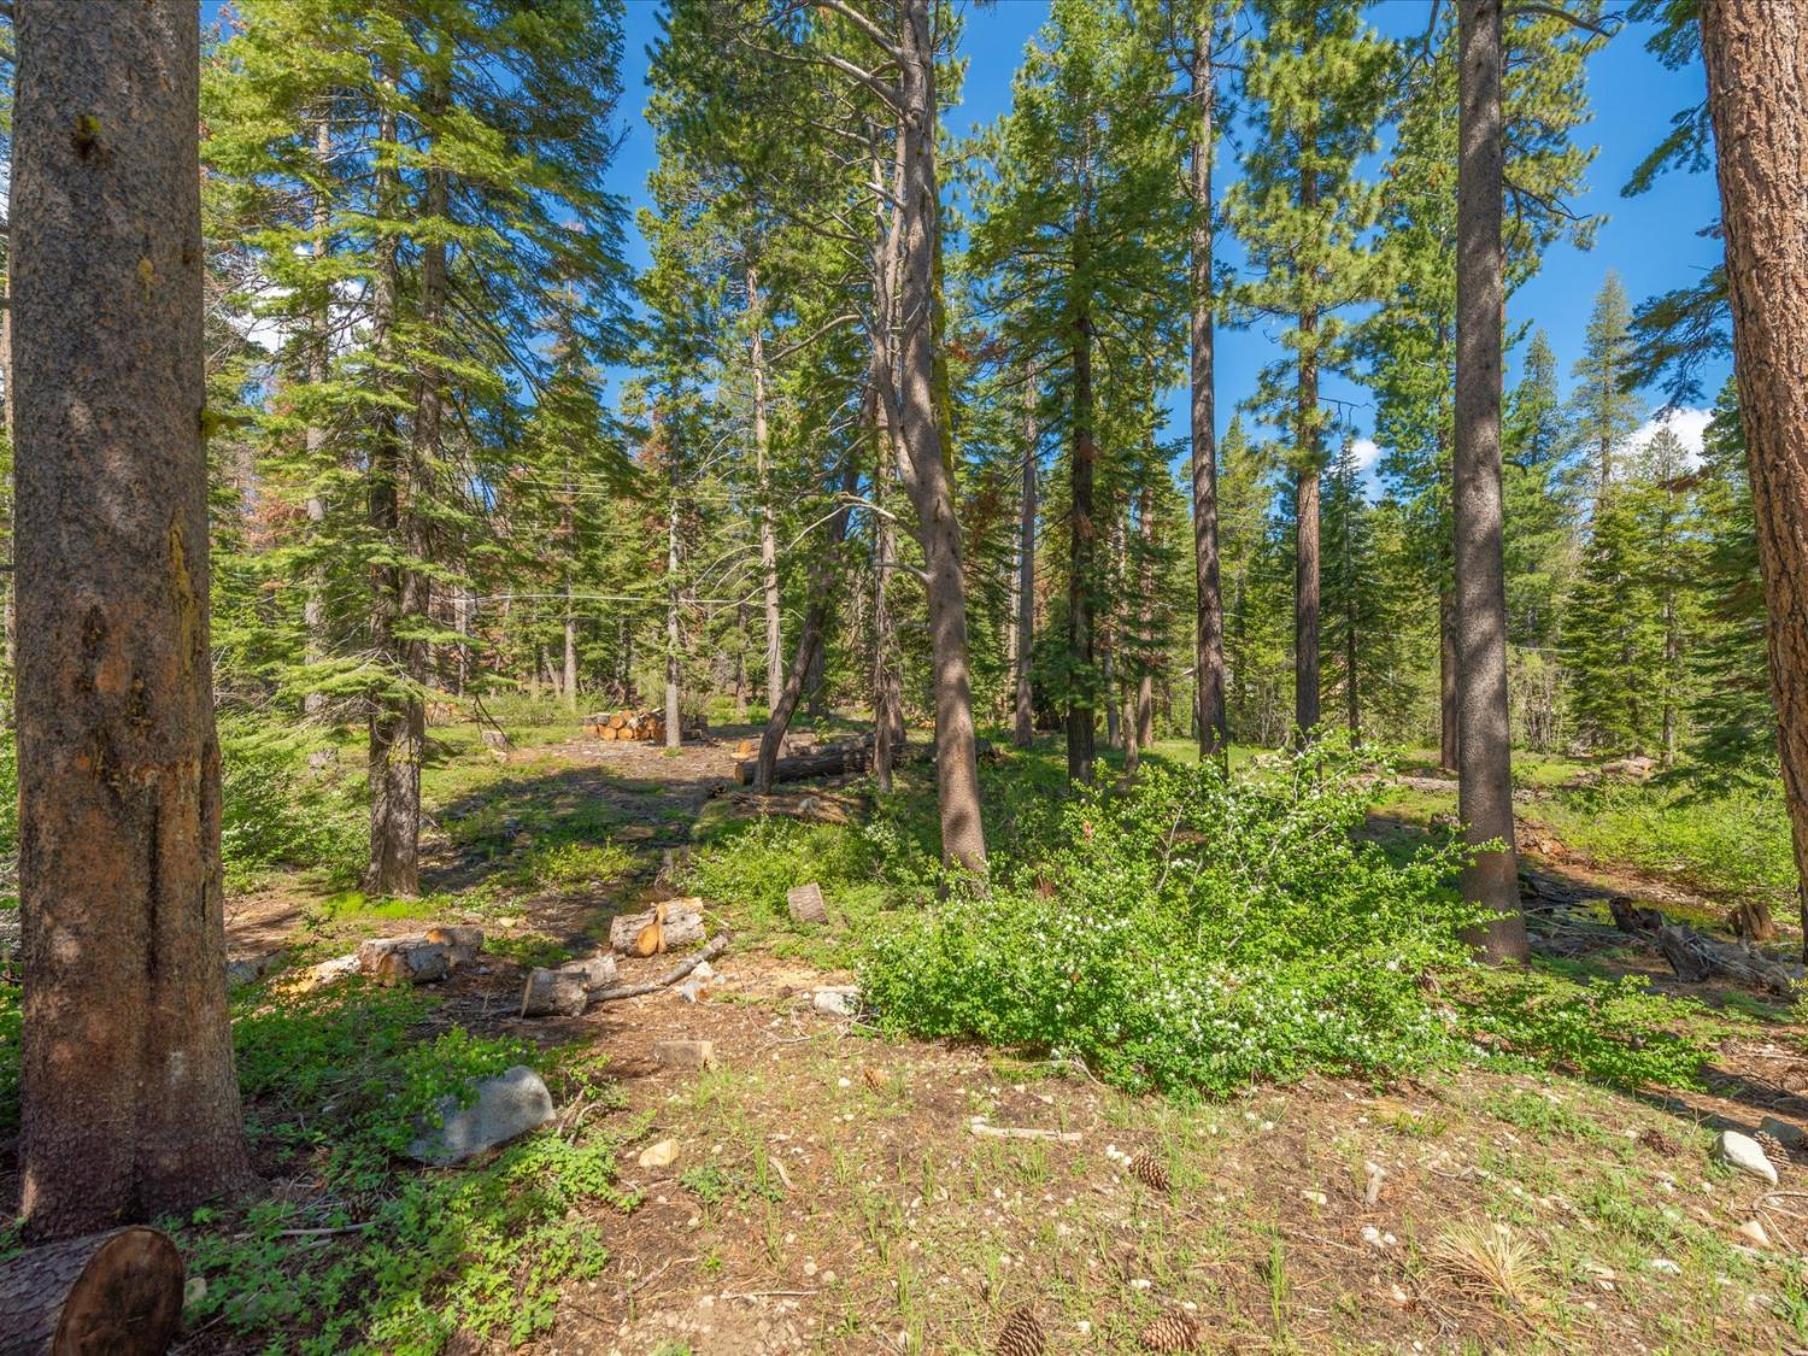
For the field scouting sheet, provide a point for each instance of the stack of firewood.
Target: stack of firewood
(630, 725)
(647, 726)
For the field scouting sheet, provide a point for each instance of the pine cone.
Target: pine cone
(1151, 1172)
(1173, 1331)
(1022, 1335)
(1657, 1141)
(873, 1078)
(1773, 1148)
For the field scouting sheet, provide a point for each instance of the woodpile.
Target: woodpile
(118, 1292)
(647, 727)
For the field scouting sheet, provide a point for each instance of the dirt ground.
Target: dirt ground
(833, 1191)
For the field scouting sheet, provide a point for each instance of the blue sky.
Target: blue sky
(1651, 240)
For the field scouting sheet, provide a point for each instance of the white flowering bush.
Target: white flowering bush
(1193, 932)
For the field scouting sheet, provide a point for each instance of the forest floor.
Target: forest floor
(829, 1192)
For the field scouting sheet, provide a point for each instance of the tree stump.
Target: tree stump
(112, 1294)
(566, 991)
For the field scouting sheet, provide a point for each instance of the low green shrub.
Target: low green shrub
(1193, 932)
(337, 1081)
(1727, 839)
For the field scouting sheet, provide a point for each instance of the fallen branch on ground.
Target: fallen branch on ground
(718, 944)
(979, 1127)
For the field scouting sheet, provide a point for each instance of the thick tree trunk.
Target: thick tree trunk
(397, 721)
(1305, 562)
(314, 605)
(1023, 727)
(1447, 682)
(1484, 739)
(775, 661)
(674, 635)
(1081, 541)
(888, 696)
(131, 1106)
(1209, 635)
(571, 653)
(927, 477)
(1757, 64)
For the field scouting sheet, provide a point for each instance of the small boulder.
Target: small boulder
(843, 1000)
(660, 1155)
(504, 1107)
(1745, 1154)
(1753, 1232)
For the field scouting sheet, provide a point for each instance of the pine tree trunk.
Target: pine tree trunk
(571, 653)
(1080, 544)
(775, 660)
(1447, 695)
(1023, 729)
(1306, 563)
(1484, 738)
(313, 608)
(674, 636)
(1757, 64)
(1145, 642)
(131, 1106)
(740, 668)
(888, 697)
(927, 477)
(811, 636)
(398, 726)
(1209, 635)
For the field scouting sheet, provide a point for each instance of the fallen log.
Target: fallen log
(831, 762)
(1696, 958)
(118, 1292)
(566, 991)
(664, 927)
(717, 945)
(420, 958)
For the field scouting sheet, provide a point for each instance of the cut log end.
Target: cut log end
(117, 1292)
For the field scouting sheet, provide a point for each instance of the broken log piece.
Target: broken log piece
(118, 1292)
(806, 904)
(420, 958)
(664, 927)
(1696, 958)
(1628, 917)
(838, 759)
(566, 991)
(554, 993)
(1751, 922)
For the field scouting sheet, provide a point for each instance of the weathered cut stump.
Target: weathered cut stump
(112, 1294)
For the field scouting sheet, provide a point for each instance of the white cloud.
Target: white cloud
(1367, 452)
(1689, 424)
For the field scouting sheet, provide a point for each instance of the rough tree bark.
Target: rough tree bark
(1305, 561)
(810, 636)
(674, 633)
(1023, 727)
(1448, 740)
(131, 1106)
(1484, 741)
(395, 737)
(775, 662)
(927, 477)
(1209, 636)
(1757, 64)
(1080, 543)
(888, 696)
(313, 608)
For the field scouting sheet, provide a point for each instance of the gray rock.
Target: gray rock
(843, 1000)
(510, 1104)
(1745, 1154)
